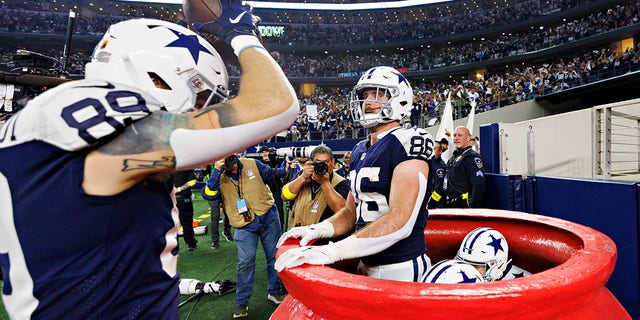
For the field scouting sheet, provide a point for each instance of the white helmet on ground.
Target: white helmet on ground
(390, 82)
(453, 271)
(135, 52)
(486, 247)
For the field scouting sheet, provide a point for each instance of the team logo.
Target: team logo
(440, 173)
(314, 207)
(250, 174)
(478, 162)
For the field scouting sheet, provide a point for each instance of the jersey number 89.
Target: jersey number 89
(69, 113)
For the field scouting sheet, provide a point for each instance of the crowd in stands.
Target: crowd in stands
(42, 22)
(459, 20)
(333, 119)
(494, 91)
(333, 65)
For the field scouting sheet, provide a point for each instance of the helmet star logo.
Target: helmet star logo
(496, 244)
(189, 42)
(466, 279)
(401, 78)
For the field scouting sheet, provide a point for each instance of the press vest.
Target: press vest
(250, 187)
(307, 211)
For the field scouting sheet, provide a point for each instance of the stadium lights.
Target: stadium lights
(321, 6)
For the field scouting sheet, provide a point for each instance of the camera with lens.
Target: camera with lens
(295, 152)
(320, 168)
(273, 156)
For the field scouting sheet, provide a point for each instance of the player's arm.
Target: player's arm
(405, 199)
(341, 223)
(163, 142)
(344, 220)
(335, 201)
(408, 189)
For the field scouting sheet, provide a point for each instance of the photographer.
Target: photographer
(318, 193)
(268, 156)
(241, 184)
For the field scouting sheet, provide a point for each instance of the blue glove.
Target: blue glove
(235, 20)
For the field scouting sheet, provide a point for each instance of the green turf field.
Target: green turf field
(207, 264)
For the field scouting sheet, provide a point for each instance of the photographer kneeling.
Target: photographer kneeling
(317, 192)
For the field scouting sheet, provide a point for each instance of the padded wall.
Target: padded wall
(504, 192)
(490, 147)
(609, 207)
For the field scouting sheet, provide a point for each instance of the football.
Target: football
(201, 10)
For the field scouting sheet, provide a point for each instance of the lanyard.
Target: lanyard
(236, 183)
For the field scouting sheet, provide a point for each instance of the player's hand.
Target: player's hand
(308, 233)
(236, 19)
(297, 256)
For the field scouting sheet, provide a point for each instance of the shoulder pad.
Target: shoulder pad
(80, 113)
(417, 142)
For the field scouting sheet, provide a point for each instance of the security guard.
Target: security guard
(437, 171)
(464, 183)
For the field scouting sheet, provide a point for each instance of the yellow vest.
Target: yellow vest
(307, 211)
(250, 187)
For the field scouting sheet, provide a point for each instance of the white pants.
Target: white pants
(411, 270)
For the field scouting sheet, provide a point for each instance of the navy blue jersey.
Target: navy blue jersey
(370, 177)
(69, 255)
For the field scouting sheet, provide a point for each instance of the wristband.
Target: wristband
(179, 189)
(287, 194)
(242, 42)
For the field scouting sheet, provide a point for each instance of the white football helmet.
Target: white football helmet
(486, 247)
(453, 271)
(390, 82)
(133, 51)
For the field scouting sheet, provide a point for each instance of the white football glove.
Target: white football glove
(297, 256)
(306, 234)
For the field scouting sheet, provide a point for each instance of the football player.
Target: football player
(86, 228)
(453, 271)
(487, 250)
(387, 202)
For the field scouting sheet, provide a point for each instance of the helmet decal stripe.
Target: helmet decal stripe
(440, 272)
(473, 239)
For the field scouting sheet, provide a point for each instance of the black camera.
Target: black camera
(273, 156)
(320, 168)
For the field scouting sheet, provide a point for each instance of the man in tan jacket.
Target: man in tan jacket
(249, 204)
(317, 193)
